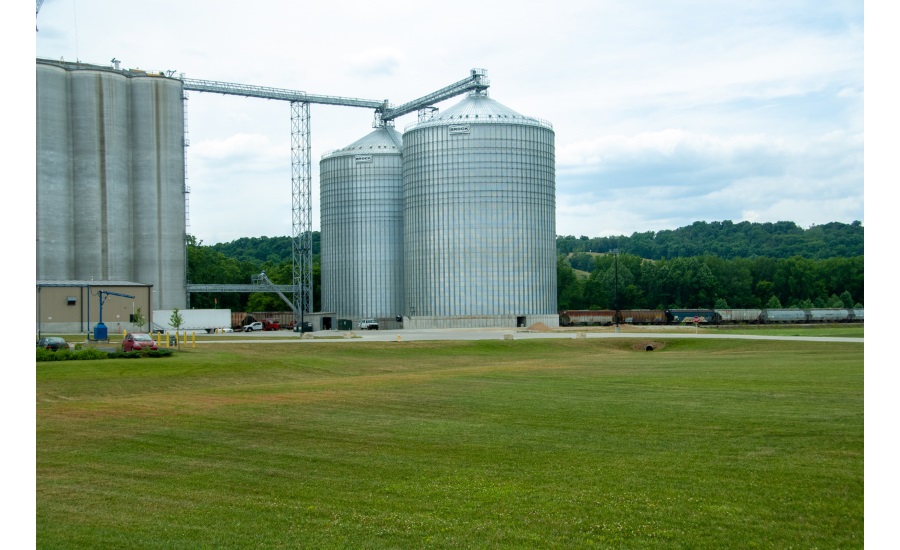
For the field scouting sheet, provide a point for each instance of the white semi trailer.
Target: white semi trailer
(193, 320)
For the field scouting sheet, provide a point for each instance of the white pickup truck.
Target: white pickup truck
(253, 326)
(368, 324)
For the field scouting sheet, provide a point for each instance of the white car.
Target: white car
(368, 324)
(253, 326)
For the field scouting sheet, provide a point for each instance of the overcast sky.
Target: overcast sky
(665, 113)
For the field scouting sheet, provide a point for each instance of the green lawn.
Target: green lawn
(525, 443)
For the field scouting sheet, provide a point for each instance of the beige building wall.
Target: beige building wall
(73, 307)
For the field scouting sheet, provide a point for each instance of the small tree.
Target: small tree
(176, 320)
(773, 303)
(138, 319)
(846, 299)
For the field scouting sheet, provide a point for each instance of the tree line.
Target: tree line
(704, 265)
(730, 240)
(626, 281)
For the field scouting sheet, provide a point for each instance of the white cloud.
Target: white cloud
(376, 61)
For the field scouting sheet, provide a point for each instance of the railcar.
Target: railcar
(828, 315)
(750, 316)
(642, 316)
(585, 317)
(702, 316)
(784, 315)
(606, 317)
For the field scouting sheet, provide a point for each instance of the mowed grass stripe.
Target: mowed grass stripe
(562, 443)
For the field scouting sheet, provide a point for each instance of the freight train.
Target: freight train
(605, 317)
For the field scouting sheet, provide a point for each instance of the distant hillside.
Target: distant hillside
(262, 249)
(724, 239)
(730, 240)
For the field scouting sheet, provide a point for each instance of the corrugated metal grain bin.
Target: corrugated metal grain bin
(362, 227)
(479, 199)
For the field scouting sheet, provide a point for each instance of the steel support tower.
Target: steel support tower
(301, 210)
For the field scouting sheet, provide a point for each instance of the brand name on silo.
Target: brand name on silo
(458, 129)
(363, 158)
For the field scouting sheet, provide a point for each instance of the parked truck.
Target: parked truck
(255, 325)
(208, 320)
(268, 324)
(368, 324)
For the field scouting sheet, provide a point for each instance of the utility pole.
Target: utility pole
(615, 252)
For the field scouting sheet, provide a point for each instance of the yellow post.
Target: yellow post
(398, 337)
(184, 338)
(193, 340)
(167, 339)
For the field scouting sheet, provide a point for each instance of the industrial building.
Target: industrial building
(73, 307)
(451, 224)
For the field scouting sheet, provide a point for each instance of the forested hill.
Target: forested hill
(730, 240)
(262, 249)
(724, 239)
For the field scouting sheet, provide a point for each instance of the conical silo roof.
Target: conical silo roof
(477, 107)
(384, 140)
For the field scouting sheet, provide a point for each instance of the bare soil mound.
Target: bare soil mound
(648, 345)
(540, 327)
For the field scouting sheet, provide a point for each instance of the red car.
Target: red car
(137, 341)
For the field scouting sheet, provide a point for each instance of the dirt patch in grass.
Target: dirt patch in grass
(648, 345)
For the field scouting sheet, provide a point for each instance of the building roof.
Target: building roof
(81, 283)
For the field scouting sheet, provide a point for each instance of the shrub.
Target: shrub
(90, 353)
(66, 355)
(44, 354)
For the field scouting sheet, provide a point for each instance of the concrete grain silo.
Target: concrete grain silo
(362, 227)
(54, 201)
(479, 205)
(158, 184)
(101, 172)
(110, 178)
